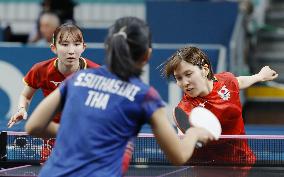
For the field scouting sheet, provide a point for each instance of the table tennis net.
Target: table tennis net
(237, 150)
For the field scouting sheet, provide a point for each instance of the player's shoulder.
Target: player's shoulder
(147, 91)
(88, 63)
(227, 78)
(44, 63)
(223, 76)
(152, 93)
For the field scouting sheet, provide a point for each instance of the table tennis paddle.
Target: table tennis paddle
(199, 117)
(181, 119)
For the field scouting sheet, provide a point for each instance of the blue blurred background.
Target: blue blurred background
(238, 36)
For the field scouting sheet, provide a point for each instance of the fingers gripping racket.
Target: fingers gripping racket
(199, 117)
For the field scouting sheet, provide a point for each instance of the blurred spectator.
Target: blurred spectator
(63, 8)
(64, 12)
(246, 6)
(254, 20)
(255, 13)
(9, 36)
(48, 22)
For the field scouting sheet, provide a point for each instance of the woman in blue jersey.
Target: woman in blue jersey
(104, 108)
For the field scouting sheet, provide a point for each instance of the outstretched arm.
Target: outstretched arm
(40, 122)
(265, 74)
(24, 102)
(177, 150)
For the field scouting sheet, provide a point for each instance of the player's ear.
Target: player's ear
(53, 48)
(84, 46)
(147, 56)
(149, 53)
(205, 70)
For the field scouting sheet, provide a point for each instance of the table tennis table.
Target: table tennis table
(148, 159)
(167, 171)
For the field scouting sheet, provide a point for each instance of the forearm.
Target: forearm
(49, 132)
(247, 81)
(181, 149)
(177, 150)
(188, 142)
(24, 102)
(21, 113)
(26, 97)
(40, 122)
(265, 74)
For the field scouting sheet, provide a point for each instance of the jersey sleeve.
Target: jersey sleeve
(232, 81)
(32, 77)
(152, 102)
(91, 64)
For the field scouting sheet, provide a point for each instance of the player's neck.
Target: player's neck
(208, 88)
(67, 70)
(210, 85)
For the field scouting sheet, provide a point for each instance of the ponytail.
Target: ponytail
(127, 43)
(120, 59)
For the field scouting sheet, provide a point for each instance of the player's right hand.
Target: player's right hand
(202, 134)
(18, 116)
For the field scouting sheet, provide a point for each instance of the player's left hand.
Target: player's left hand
(267, 74)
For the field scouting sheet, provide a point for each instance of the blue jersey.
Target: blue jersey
(100, 114)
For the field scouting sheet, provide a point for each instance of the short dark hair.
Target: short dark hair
(189, 54)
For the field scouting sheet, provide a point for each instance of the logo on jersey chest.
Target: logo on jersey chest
(224, 93)
(55, 83)
(202, 104)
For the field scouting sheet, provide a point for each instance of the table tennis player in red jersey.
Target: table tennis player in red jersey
(219, 93)
(68, 44)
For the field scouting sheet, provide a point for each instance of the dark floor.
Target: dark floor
(205, 171)
(173, 171)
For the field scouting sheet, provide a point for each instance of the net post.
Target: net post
(3, 145)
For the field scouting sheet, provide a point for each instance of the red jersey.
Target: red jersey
(45, 76)
(224, 102)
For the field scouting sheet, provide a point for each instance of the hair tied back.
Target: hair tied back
(121, 32)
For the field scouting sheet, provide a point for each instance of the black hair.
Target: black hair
(127, 43)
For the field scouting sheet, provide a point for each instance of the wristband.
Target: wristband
(19, 108)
